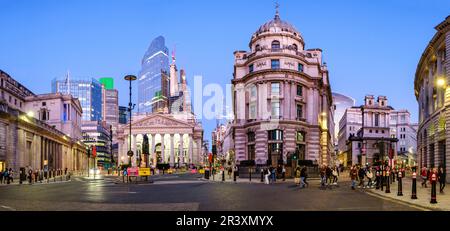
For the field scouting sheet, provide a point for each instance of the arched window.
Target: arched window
(294, 46)
(257, 47)
(275, 44)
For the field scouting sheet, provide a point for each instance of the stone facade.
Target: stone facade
(433, 96)
(26, 141)
(281, 99)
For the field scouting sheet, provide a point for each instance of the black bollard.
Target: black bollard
(234, 176)
(433, 188)
(388, 187)
(262, 176)
(382, 178)
(223, 175)
(414, 186)
(378, 180)
(250, 171)
(399, 191)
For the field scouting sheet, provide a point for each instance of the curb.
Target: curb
(401, 201)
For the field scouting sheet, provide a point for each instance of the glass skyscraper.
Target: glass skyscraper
(150, 85)
(88, 91)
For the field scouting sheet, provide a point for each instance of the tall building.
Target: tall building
(110, 105)
(349, 125)
(35, 129)
(153, 82)
(170, 133)
(432, 94)
(282, 99)
(123, 115)
(88, 91)
(341, 103)
(97, 133)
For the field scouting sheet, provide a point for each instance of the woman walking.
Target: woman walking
(267, 174)
(424, 175)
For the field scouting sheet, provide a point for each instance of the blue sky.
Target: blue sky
(371, 47)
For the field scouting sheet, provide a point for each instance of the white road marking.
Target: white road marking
(7, 207)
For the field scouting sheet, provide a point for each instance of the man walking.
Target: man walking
(303, 176)
(424, 175)
(441, 178)
(353, 175)
(361, 175)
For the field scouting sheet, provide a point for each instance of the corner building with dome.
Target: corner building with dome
(282, 101)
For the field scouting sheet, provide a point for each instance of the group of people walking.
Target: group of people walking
(30, 175)
(328, 176)
(270, 174)
(426, 175)
(6, 176)
(301, 175)
(359, 173)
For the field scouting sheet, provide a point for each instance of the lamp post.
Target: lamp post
(130, 78)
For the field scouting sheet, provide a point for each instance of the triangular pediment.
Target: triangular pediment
(160, 120)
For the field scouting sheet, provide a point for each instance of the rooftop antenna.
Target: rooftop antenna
(277, 13)
(173, 53)
(68, 82)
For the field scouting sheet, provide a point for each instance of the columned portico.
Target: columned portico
(172, 140)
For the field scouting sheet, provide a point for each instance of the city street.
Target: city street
(187, 192)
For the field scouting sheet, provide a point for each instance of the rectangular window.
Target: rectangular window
(15, 102)
(300, 137)
(300, 67)
(253, 91)
(44, 103)
(275, 89)
(377, 118)
(402, 118)
(299, 111)
(20, 104)
(252, 111)
(276, 109)
(251, 152)
(250, 68)
(251, 137)
(299, 90)
(275, 64)
(65, 113)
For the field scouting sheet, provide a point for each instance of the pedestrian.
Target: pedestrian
(329, 174)
(441, 178)
(30, 176)
(353, 176)
(369, 176)
(424, 175)
(11, 175)
(303, 176)
(230, 170)
(283, 173)
(1, 176)
(361, 175)
(323, 175)
(6, 176)
(274, 175)
(267, 174)
(297, 176)
(335, 174)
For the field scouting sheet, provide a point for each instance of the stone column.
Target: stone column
(133, 148)
(172, 148)
(152, 150)
(198, 151)
(181, 150)
(191, 147)
(162, 148)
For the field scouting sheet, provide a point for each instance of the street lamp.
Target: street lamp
(130, 78)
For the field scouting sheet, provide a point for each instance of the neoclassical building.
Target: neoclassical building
(281, 99)
(39, 131)
(433, 96)
(170, 134)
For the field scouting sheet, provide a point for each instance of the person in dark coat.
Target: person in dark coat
(441, 178)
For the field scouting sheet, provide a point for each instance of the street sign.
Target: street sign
(133, 171)
(144, 171)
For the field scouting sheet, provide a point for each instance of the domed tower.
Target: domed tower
(282, 99)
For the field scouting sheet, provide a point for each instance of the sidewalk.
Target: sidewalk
(256, 179)
(423, 194)
(57, 179)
